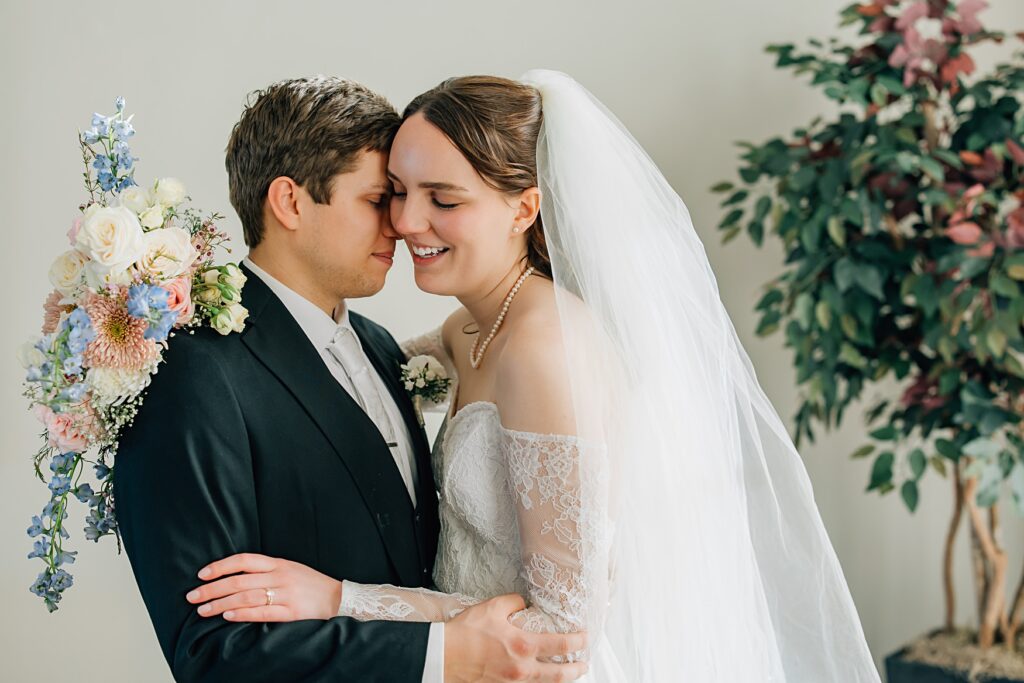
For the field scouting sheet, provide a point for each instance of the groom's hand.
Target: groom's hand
(481, 645)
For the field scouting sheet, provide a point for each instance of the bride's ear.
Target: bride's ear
(283, 201)
(529, 208)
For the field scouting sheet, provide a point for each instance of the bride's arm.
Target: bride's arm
(560, 481)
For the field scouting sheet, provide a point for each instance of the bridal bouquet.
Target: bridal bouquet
(140, 265)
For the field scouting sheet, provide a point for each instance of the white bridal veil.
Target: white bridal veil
(722, 569)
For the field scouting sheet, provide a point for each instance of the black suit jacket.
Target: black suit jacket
(246, 443)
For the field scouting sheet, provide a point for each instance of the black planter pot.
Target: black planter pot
(900, 670)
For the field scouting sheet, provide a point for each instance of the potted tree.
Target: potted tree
(902, 220)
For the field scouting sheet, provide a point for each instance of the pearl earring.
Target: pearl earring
(516, 229)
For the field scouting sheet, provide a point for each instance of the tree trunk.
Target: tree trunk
(994, 598)
(947, 560)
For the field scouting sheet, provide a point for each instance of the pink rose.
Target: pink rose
(76, 225)
(179, 298)
(64, 433)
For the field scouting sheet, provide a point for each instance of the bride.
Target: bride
(608, 453)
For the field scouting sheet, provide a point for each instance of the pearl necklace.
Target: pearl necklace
(476, 358)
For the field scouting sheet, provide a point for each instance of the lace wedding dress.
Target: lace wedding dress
(520, 513)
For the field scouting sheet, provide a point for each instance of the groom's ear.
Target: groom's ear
(529, 207)
(283, 201)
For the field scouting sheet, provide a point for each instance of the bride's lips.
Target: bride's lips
(387, 257)
(426, 260)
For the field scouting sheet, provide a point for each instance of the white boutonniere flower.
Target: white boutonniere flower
(425, 378)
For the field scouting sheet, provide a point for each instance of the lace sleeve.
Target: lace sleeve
(432, 344)
(384, 602)
(560, 485)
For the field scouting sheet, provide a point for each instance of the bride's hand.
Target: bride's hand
(265, 589)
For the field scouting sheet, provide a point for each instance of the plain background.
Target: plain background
(688, 78)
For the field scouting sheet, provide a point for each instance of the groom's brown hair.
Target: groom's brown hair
(308, 129)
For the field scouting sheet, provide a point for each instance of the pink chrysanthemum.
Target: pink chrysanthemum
(119, 341)
(52, 310)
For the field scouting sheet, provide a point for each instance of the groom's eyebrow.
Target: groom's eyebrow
(443, 187)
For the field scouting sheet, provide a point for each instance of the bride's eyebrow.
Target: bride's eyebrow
(443, 187)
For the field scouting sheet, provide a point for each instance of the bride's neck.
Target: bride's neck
(486, 308)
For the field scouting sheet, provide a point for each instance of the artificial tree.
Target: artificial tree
(902, 222)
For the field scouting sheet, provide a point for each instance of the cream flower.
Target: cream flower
(135, 198)
(111, 237)
(29, 356)
(230, 319)
(153, 217)
(168, 253)
(68, 271)
(115, 385)
(169, 191)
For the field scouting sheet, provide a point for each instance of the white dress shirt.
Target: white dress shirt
(320, 328)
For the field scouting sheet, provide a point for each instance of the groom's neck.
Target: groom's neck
(297, 278)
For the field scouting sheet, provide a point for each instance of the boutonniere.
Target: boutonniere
(425, 378)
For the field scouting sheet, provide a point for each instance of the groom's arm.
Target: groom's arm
(184, 496)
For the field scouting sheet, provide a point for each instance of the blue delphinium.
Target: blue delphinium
(149, 303)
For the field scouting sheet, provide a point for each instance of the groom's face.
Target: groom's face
(350, 243)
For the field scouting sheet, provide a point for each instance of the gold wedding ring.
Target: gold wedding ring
(270, 596)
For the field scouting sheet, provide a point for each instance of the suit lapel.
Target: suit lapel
(276, 339)
(389, 370)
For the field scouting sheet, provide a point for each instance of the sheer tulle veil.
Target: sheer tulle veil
(721, 567)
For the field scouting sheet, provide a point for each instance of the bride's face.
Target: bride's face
(458, 229)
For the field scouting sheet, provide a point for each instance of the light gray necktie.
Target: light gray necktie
(345, 349)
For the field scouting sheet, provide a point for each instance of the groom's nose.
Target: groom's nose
(386, 227)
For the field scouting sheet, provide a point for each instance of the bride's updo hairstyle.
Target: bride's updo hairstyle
(494, 122)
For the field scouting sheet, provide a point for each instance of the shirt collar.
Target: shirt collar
(319, 327)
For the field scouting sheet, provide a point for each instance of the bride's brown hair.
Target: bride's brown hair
(494, 122)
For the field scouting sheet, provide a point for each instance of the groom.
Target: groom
(295, 438)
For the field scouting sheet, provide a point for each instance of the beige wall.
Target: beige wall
(687, 77)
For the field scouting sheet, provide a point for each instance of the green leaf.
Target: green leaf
(823, 313)
(851, 356)
(938, 464)
(804, 309)
(1002, 285)
(736, 198)
(947, 448)
(996, 340)
(918, 463)
(933, 169)
(1017, 488)
(849, 325)
(731, 233)
(869, 279)
(731, 218)
(764, 205)
(910, 495)
(835, 230)
(886, 433)
(881, 471)
(771, 297)
(863, 451)
(722, 187)
(845, 273)
(879, 95)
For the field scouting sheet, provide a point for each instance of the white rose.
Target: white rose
(111, 237)
(99, 277)
(67, 271)
(435, 368)
(417, 363)
(29, 356)
(233, 276)
(211, 276)
(409, 386)
(168, 253)
(230, 319)
(135, 198)
(420, 383)
(169, 191)
(153, 217)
